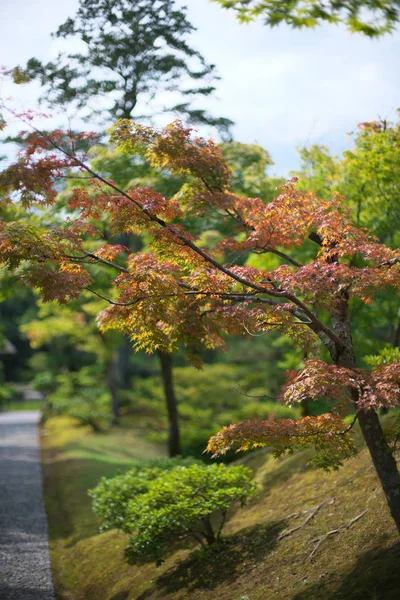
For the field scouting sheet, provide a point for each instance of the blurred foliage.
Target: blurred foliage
(80, 395)
(371, 18)
(208, 399)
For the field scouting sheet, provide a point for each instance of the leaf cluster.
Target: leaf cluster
(368, 17)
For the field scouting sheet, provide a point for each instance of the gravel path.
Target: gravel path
(24, 553)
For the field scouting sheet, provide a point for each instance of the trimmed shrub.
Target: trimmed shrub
(158, 506)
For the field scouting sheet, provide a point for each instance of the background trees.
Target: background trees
(135, 52)
(136, 58)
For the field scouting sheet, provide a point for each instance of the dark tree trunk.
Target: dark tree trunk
(305, 408)
(112, 386)
(208, 531)
(395, 341)
(123, 353)
(384, 461)
(174, 442)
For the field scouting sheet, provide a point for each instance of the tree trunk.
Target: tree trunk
(123, 353)
(112, 386)
(174, 443)
(208, 531)
(384, 461)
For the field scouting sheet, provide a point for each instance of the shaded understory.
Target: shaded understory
(360, 562)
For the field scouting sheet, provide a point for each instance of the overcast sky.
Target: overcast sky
(283, 88)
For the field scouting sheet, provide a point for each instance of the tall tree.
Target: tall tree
(136, 51)
(180, 293)
(369, 17)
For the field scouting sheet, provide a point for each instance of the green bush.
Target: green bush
(157, 506)
(79, 395)
(112, 495)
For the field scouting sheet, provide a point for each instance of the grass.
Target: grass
(18, 405)
(358, 563)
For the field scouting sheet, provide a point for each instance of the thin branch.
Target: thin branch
(221, 525)
(285, 257)
(100, 260)
(108, 263)
(350, 426)
(316, 324)
(112, 301)
(222, 295)
(74, 177)
(319, 540)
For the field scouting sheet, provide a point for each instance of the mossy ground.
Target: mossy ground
(358, 563)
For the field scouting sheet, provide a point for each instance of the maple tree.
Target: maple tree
(179, 293)
(369, 17)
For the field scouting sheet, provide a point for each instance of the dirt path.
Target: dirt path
(24, 553)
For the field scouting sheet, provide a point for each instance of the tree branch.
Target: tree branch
(316, 324)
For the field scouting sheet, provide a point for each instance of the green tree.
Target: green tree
(369, 17)
(135, 52)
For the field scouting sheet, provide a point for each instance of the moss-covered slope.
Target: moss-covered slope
(258, 561)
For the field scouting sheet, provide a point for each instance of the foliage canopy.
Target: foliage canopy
(369, 17)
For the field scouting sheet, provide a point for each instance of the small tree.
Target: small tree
(159, 507)
(180, 293)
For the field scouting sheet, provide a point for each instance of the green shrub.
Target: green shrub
(112, 495)
(7, 391)
(79, 395)
(157, 506)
